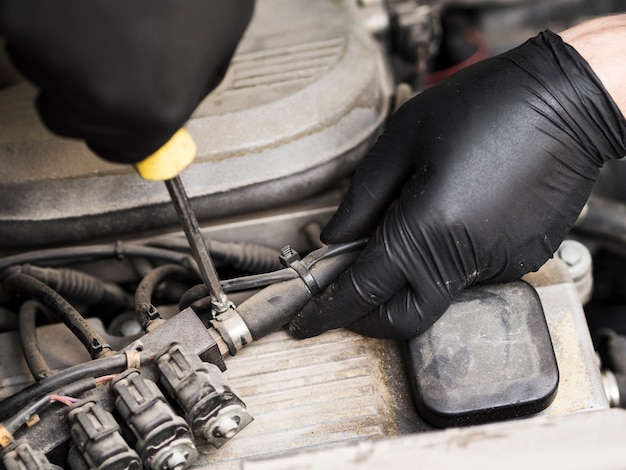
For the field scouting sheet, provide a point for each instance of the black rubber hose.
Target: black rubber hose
(96, 368)
(81, 287)
(28, 337)
(246, 257)
(34, 288)
(93, 252)
(277, 304)
(148, 285)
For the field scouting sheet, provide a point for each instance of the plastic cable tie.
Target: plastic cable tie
(119, 250)
(5, 437)
(306, 276)
(32, 420)
(133, 359)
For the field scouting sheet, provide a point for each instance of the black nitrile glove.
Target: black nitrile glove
(477, 179)
(123, 75)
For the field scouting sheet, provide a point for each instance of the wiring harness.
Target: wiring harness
(142, 383)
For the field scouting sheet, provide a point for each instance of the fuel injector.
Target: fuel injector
(164, 439)
(213, 410)
(97, 442)
(19, 455)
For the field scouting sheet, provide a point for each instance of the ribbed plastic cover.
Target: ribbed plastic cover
(306, 94)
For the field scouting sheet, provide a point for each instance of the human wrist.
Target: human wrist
(602, 43)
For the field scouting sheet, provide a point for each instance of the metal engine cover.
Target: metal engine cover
(307, 92)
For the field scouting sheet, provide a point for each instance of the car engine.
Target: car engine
(113, 356)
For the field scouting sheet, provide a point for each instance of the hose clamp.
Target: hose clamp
(233, 330)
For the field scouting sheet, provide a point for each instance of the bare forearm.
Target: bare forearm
(602, 43)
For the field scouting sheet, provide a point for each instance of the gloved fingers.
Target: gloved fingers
(376, 183)
(403, 316)
(368, 283)
(115, 143)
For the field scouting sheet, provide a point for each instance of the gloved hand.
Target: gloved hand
(477, 179)
(122, 75)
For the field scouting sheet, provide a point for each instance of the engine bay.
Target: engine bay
(112, 352)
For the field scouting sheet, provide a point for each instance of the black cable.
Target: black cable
(258, 280)
(261, 280)
(253, 281)
(18, 419)
(14, 422)
(334, 250)
(95, 344)
(96, 368)
(28, 337)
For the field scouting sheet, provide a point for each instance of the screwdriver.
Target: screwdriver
(197, 243)
(165, 165)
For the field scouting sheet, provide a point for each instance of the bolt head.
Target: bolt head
(227, 428)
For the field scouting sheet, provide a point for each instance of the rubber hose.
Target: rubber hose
(92, 252)
(149, 284)
(34, 288)
(82, 287)
(28, 336)
(246, 257)
(96, 368)
(277, 304)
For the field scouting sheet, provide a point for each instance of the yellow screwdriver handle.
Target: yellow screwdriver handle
(171, 159)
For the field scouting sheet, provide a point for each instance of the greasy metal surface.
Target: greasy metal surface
(574, 442)
(580, 385)
(61, 349)
(303, 394)
(339, 388)
(290, 117)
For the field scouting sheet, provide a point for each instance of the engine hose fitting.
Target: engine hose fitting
(214, 411)
(97, 442)
(21, 456)
(233, 330)
(164, 440)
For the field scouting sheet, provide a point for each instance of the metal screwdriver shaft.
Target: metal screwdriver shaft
(196, 242)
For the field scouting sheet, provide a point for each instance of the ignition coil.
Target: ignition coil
(164, 439)
(98, 444)
(19, 455)
(214, 411)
